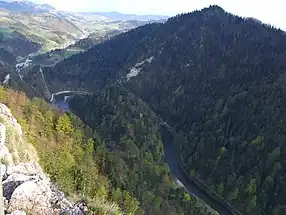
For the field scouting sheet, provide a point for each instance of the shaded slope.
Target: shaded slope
(233, 71)
(237, 65)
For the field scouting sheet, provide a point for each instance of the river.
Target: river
(178, 173)
(62, 105)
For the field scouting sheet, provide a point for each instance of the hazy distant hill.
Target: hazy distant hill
(25, 6)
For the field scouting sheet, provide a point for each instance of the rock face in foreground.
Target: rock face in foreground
(25, 187)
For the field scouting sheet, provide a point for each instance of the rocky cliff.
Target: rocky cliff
(26, 189)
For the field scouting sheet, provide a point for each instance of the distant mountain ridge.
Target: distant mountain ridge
(25, 6)
(121, 16)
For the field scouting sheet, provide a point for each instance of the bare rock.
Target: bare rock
(3, 169)
(2, 135)
(6, 112)
(17, 212)
(30, 168)
(6, 156)
(6, 203)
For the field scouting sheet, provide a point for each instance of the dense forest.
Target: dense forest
(223, 89)
(131, 133)
(217, 79)
(238, 148)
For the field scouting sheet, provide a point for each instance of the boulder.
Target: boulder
(32, 196)
(12, 182)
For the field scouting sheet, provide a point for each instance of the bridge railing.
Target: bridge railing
(68, 91)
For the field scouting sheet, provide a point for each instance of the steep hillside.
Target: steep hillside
(24, 186)
(130, 131)
(217, 87)
(67, 153)
(218, 79)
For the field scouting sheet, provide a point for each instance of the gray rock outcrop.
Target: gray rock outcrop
(18, 213)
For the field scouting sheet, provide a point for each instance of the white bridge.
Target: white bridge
(68, 92)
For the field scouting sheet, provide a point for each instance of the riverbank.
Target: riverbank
(193, 185)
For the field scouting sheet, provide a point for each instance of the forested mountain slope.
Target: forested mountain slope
(222, 87)
(219, 80)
